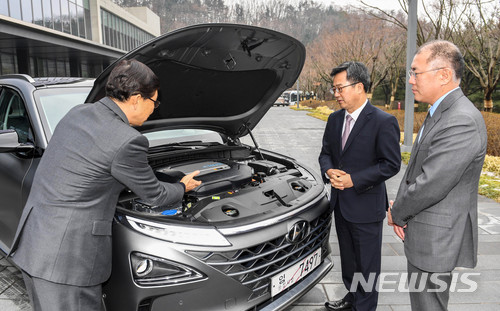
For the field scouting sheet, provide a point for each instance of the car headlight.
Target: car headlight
(179, 234)
(154, 271)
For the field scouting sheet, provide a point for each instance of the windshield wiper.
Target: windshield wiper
(194, 143)
(187, 145)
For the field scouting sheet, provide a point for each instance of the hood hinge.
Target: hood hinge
(254, 141)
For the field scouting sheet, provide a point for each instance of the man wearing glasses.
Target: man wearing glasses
(360, 151)
(435, 211)
(63, 242)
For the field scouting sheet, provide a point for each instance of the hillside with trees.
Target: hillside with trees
(368, 34)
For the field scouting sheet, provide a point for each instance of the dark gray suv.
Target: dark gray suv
(254, 236)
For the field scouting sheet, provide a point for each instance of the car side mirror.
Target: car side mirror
(9, 142)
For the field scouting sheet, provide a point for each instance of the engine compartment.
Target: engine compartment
(231, 189)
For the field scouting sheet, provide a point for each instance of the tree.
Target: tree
(470, 25)
(479, 38)
(439, 20)
(301, 19)
(356, 40)
(395, 56)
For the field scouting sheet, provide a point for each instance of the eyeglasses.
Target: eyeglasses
(156, 102)
(413, 74)
(340, 88)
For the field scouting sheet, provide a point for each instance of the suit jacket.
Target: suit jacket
(371, 155)
(64, 235)
(437, 197)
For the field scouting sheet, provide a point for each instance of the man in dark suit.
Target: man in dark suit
(360, 151)
(63, 242)
(437, 198)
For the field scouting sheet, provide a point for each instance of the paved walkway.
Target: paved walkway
(295, 134)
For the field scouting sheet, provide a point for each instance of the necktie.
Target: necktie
(427, 118)
(347, 130)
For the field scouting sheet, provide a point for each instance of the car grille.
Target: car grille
(254, 266)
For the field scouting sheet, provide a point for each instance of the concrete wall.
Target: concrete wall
(147, 16)
(141, 17)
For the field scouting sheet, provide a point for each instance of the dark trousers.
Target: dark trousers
(49, 296)
(360, 256)
(433, 295)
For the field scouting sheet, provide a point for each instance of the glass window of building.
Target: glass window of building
(8, 64)
(51, 67)
(61, 69)
(69, 16)
(56, 13)
(41, 67)
(15, 9)
(88, 25)
(73, 18)
(121, 40)
(113, 30)
(4, 10)
(119, 33)
(47, 14)
(65, 16)
(26, 11)
(85, 68)
(104, 26)
(81, 22)
(37, 12)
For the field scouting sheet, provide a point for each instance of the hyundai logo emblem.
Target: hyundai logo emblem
(298, 232)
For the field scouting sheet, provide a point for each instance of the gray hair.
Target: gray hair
(447, 52)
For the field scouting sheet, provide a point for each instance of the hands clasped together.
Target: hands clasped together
(339, 179)
(397, 229)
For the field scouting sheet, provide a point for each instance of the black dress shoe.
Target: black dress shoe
(338, 305)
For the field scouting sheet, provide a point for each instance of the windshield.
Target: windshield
(56, 102)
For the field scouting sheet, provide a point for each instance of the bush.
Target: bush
(492, 121)
(313, 103)
(492, 164)
(418, 119)
(489, 187)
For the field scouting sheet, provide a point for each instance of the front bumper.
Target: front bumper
(225, 284)
(300, 289)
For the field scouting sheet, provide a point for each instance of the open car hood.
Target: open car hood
(222, 77)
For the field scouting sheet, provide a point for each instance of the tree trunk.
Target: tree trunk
(488, 105)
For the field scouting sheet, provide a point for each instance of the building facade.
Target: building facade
(76, 38)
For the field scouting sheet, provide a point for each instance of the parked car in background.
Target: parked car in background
(281, 101)
(253, 236)
(291, 96)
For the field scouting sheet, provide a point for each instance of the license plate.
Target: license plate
(295, 273)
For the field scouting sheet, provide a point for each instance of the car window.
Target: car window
(13, 115)
(56, 102)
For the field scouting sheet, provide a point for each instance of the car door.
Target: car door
(16, 168)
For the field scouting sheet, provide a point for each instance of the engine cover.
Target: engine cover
(215, 176)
